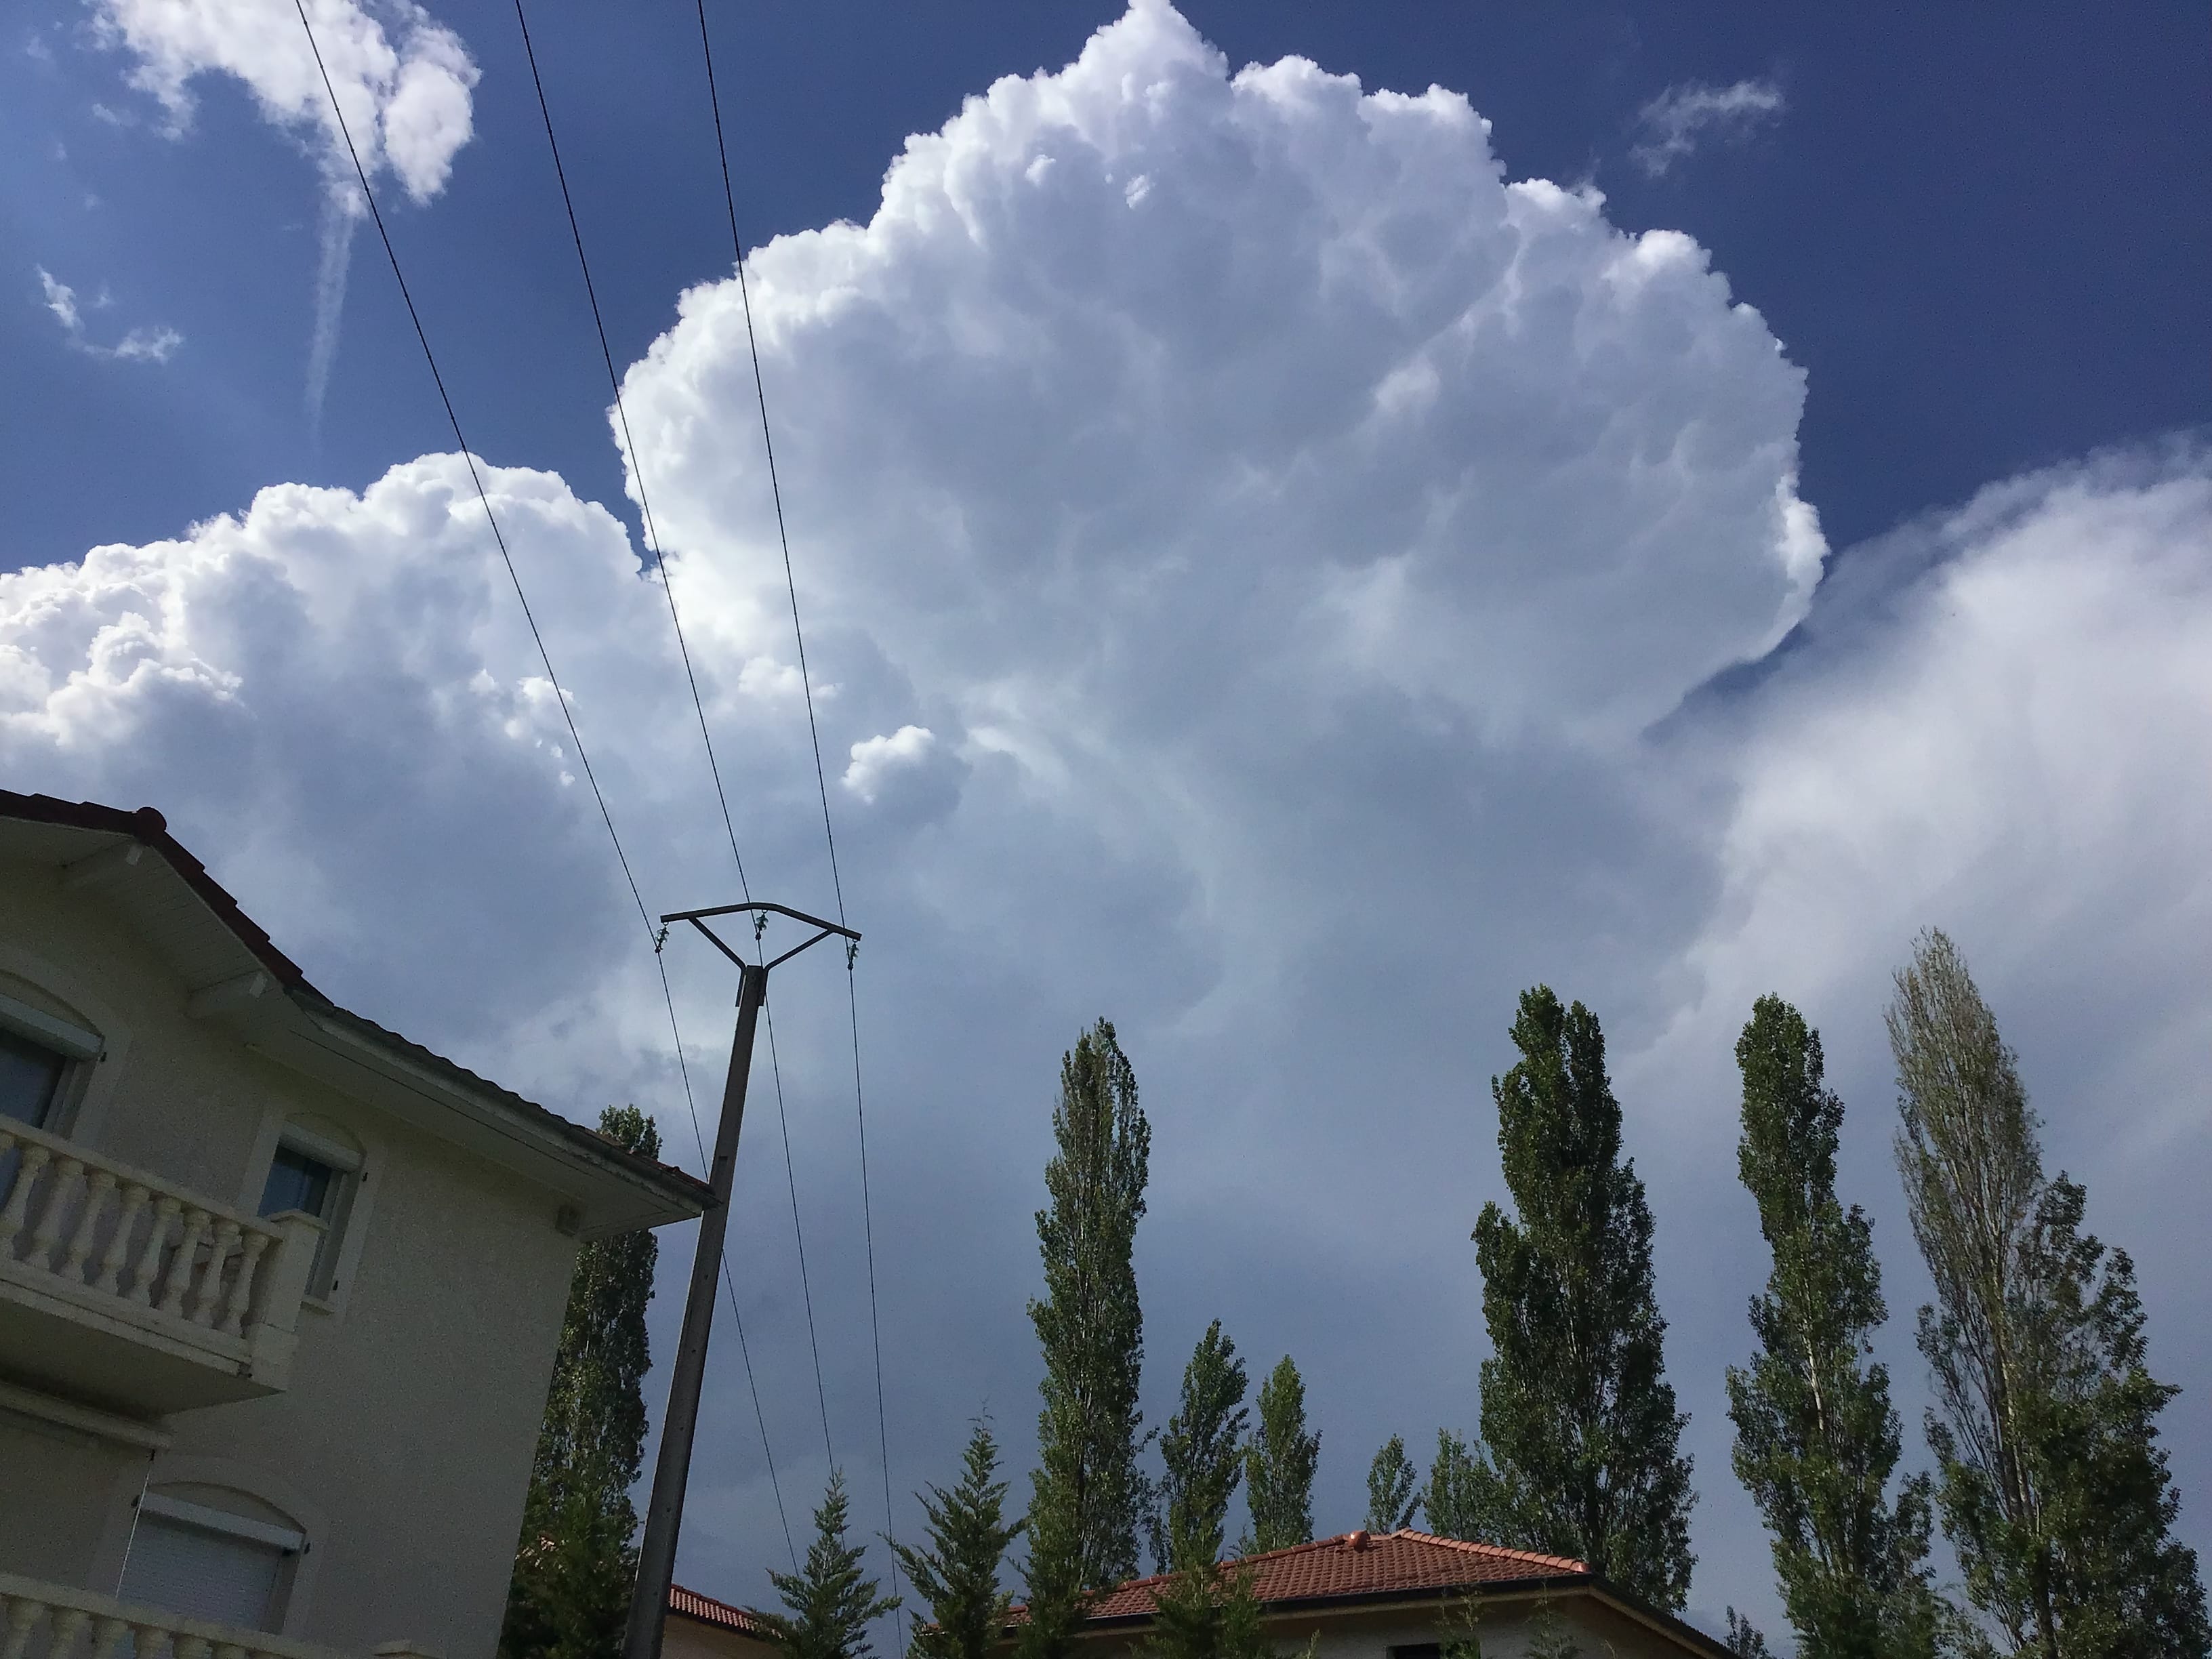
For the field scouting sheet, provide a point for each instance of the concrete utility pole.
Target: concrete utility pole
(671, 1472)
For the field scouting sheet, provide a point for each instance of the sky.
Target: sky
(1308, 520)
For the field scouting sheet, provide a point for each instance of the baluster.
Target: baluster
(87, 1223)
(180, 1270)
(207, 1296)
(118, 1247)
(242, 1290)
(147, 1640)
(143, 1283)
(22, 1616)
(46, 1232)
(230, 1650)
(107, 1636)
(19, 1198)
(69, 1624)
(189, 1647)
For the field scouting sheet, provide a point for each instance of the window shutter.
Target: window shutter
(203, 1574)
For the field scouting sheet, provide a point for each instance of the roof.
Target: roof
(326, 1036)
(689, 1604)
(1361, 1570)
(1363, 1564)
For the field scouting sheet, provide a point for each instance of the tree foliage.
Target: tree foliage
(1202, 1455)
(1280, 1463)
(569, 1597)
(1393, 1487)
(830, 1600)
(957, 1573)
(2054, 1489)
(1462, 1496)
(1578, 1418)
(1087, 1495)
(1816, 1439)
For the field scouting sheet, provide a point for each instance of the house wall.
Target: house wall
(401, 1445)
(694, 1638)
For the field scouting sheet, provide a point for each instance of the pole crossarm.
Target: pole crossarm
(755, 906)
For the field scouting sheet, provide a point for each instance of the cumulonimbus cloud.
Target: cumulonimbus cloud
(1315, 550)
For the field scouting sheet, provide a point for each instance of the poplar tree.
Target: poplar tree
(957, 1573)
(1464, 1497)
(830, 1600)
(569, 1597)
(1087, 1494)
(1279, 1464)
(1816, 1439)
(1578, 1418)
(1393, 1487)
(1203, 1455)
(2053, 1488)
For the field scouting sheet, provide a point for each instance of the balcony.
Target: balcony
(127, 1290)
(47, 1621)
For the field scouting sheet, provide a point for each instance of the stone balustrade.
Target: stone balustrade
(110, 1240)
(48, 1621)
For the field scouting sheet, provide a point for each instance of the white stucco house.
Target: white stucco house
(279, 1290)
(1411, 1594)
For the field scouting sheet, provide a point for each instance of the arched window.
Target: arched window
(41, 1050)
(212, 1553)
(317, 1168)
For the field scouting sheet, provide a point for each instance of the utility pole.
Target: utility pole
(671, 1472)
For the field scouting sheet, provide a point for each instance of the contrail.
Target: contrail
(341, 211)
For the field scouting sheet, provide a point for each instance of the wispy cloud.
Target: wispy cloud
(1675, 123)
(404, 81)
(154, 343)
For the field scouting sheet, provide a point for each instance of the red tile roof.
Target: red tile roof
(1358, 1564)
(707, 1611)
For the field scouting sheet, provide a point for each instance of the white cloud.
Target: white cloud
(1294, 597)
(1675, 123)
(147, 343)
(404, 81)
(876, 759)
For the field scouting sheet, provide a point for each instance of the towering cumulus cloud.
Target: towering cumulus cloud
(403, 80)
(1265, 576)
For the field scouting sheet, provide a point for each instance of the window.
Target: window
(316, 1172)
(208, 1563)
(30, 1078)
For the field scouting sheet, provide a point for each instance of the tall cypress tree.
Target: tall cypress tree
(1280, 1463)
(1087, 1494)
(1816, 1439)
(830, 1600)
(1393, 1487)
(2054, 1489)
(1577, 1416)
(957, 1573)
(569, 1597)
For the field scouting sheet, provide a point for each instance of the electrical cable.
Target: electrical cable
(698, 704)
(821, 778)
(468, 456)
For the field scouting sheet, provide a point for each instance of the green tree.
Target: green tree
(1280, 1463)
(831, 1599)
(1207, 1611)
(1578, 1418)
(569, 1597)
(1393, 1487)
(1087, 1494)
(1746, 1640)
(1202, 1454)
(958, 1573)
(1462, 1495)
(1816, 1439)
(2054, 1490)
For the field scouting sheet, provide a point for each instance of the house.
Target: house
(279, 1290)
(700, 1627)
(1405, 1595)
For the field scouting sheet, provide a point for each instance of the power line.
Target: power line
(698, 704)
(422, 335)
(821, 778)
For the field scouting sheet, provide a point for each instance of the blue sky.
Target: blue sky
(1285, 565)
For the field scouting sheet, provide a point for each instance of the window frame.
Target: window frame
(77, 1047)
(349, 1169)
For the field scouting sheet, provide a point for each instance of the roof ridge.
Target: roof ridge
(1478, 1548)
